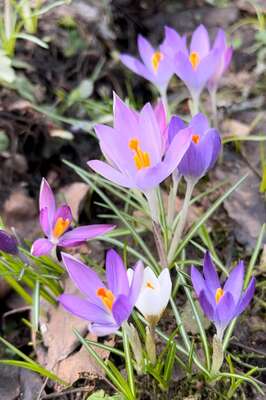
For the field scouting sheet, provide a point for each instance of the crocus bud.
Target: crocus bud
(135, 344)
(8, 243)
(150, 345)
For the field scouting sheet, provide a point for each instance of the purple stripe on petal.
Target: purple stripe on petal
(206, 306)
(116, 274)
(234, 282)
(210, 274)
(136, 283)
(46, 199)
(41, 247)
(111, 173)
(121, 309)
(246, 297)
(84, 278)
(79, 235)
(84, 309)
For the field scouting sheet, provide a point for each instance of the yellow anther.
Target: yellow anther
(218, 295)
(60, 227)
(157, 57)
(194, 58)
(141, 158)
(106, 296)
(149, 285)
(196, 138)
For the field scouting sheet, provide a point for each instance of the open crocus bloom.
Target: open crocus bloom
(204, 148)
(196, 65)
(224, 53)
(221, 303)
(154, 66)
(154, 295)
(135, 148)
(56, 225)
(106, 307)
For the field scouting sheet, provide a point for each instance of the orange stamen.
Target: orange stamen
(218, 295)
(157, 57)
(149, 285)
(60, 227)
(196, 138)
(194, 58)
(106, 296)
(141, 158)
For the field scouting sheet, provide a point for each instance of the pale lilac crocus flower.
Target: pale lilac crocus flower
(221, 303)
(56, 225)
(104, 306)
(135, 149)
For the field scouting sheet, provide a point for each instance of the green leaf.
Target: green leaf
(33, 39)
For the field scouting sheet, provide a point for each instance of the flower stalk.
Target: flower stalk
(217, 355)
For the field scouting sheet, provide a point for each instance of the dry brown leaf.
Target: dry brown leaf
(75, 195)
(232, 127)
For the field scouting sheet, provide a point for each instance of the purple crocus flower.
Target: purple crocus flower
(135, 148)
(106, 307)
(155, 65)
(56, 225)
(203, 150)
(224, 54)
(221, 303)
(8, 244)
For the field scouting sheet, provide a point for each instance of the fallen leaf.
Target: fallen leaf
(232, 127)
(189, 320)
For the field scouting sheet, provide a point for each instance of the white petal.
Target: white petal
(165, 287)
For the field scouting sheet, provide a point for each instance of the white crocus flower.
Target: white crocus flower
(154, 294)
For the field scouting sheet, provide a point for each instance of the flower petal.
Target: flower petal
(200, 41)
(200, 124)
(41, 247)
(186, 73)
(210, 274)
(44, 221)
(111, 173)
(103, 329)
(64, 212)
(225, 310)
(146, 51)
(136, 283)
(136, 66)
(47, 199)
(173, 43)
(165, 287)
(175, 125)
(81, 234)
(121, 309)
(234, 282)
(206, 306)
(116, 274)
(246, 297)
(84, 278)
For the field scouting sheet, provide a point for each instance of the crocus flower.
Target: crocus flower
(154, 66)
(8, 243)
(203, 150)
(154, 295)
(221, 303)
(135, 149)
(224, 55)
(106, 307)
(56, 225)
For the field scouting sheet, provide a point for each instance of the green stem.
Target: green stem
(159, 244)
(8, 19)
(214, 107)
(195, 104)
(164, 98)
(128, 359)
(182, 220)
(172, 202)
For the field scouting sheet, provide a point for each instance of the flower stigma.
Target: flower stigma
(196, 138)
(218, 295)
(60, 227)
(141, 158)
(106, 296)
(194, 59)
(149, 285)
(157, 57)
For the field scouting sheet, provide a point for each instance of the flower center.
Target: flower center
(149, 285)
(218, 295)
(196, 138)
(106, 296)
(194, 59)
(141, 158)
(60, 227)
(157, 57)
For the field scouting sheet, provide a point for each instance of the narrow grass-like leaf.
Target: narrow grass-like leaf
(106, 347)
(254, 257)
(129, 365)
(36, 307)
(169, 362)
(244, 378)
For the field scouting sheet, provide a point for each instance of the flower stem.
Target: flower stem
(163, 94)
(217, 355)
(172, 201)
(159, 244)
(214, 108)
(150, 343)
(182, 221)
(195, 104)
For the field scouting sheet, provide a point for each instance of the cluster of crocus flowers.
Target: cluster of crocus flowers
(56, 225)
(221, 303)
(104, 306)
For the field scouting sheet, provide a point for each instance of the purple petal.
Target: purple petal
(103, 329)
(220, 39)
(207, 68)
(64, 212)
(173, 43)
(146, 51)
(210, 274)
(124, 116)
(200, 42)
(116, 274)
(186, 73)
(200, 124)
(161, 117)
(84, 278)
(111, 173)
(79, 235)
(175, 125)
(198, 281)
(136, 283)
(46, 199)
(216, 145)
(234, 283)
(84, 309)
(246, 297)
(206, 306)
(121, 309)
(44, 221)
(8, 243)
(225, 309)
(136, 66)
(41, 247)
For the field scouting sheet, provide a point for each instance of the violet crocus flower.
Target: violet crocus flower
(135, 148)
(203, 150)
(155, 65)
(106, 307)
(221, 303)
(8, 243)
(56, 225)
